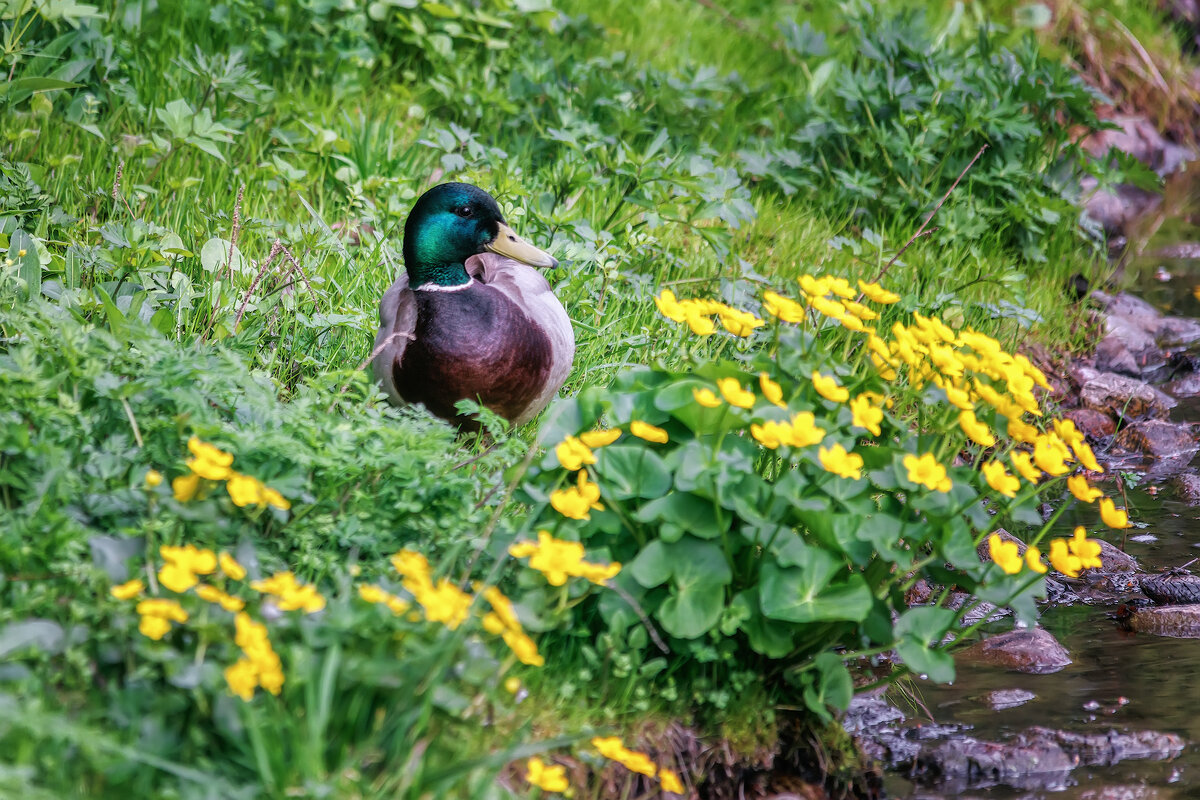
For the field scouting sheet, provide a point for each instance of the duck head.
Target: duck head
(452, 222)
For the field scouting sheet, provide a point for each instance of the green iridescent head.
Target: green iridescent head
(452, 222)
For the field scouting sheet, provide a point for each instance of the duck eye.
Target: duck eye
(464, 211)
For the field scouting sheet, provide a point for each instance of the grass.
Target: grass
(649, 146)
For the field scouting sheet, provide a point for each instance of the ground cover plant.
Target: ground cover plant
(228, 568)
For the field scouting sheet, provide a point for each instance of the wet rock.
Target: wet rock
(1114, 209)
(1125, 398)
(1137, 136)
(1082, 373)
(1187, 486)
(1130, 346)
(1001, 699)
(1114, 559)
(1032, 650)
(1177, 331)
(1181, 622)
(1187, 386)
(972, 761)
(1103, 749)
(1095, 425)
(1159, 439)
(1122, 793)
(1123, 304)
(1182, 250)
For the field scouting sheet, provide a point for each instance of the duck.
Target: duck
(471, 317)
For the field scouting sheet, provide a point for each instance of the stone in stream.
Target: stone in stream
(1177, 331)
(1180, 622)
(1000, 699)
(1167, 446)
(1125, 398)
(1032, 650)
(1187, 487)
(1187, 386)
(1128, 348)
(1123, 793)
(1095, 425)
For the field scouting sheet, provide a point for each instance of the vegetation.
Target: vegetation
(229, 569)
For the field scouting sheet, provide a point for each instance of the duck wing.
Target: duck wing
(529, 290)
(397, 323)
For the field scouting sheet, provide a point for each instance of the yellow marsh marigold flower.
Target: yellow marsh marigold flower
(154, 627)
(176, 578)
(669, 307)
(1021, 431)
(836, 460)
(830, 308)
(1024, 465)
(600, 438)
(199, 560)
(804, 431)
(814, 287)
(558, 559)
(771, 390)
(512, 684)
(840, 287)
(958, 398)
(377, 595)
(1086, 550)
(153, 478)
(782, 308)
(242, 678)
(1083, 451)
(1005, 553)
(865, 415)
(878, 294)
(243, 489)
(128, 590)
(573, 454)
(208, 462)
(274, 498)
(975, 430)
(575, 501)
(1000, 480)
(502, 621)
(610, 747)
(771, 434)
(926, 471)
(1113, 517)
(706, 398)
(1067, 431)
(884, 369)
(185, 487)
(1082, 490)
(734, 394)
(1034, 559)
(738, 322)
(1063, 560)
(859, 310)
(231, 567)
(546, 778)
(1051, 454)
(827, 386)
(292, 596)
(670, 781)
(157, 616)
(646, 431)
(700, 324)
(212, 594)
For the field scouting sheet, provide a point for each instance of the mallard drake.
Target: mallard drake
(470, 318)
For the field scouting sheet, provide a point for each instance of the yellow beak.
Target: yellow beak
(507, 243)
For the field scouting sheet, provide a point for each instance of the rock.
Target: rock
(1124, 304)
(1114, 209)
(1095, 425)
(1187, 386)
(1177, 331)
(1024, 650)
(1137, 136)
(1125, 398)
(1181, 622)
(1114, 559)
(1130, 346)
(1122, 793)
(1158, 438)
(1001, 699)
(1187, 486)
(1183, 250)
(1104, 749)
(1112, 355)
(1082, 373)
(978, 762)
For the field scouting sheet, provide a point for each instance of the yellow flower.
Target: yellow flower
(1005, 553)
(212, 594)
(926, 471)
(669, 307)
(208, 462)
(770, 434)
(274, 498)
(670, 781)
(185, 486)
(706, 398)
(771, 390)
(292, 596)
(1048, 452)
(804, 431)
(128, 590)
(884, 369)
(859, 310)
(1000, 480)
(975, 430)
(878, 294)
(830, 308)
(242, 678)
(738, 322)
(576, 501)
(1113, 517)
(512, 684)
(546, 778)
(700, 324)
(958, 398)
(1067, 431)
(600, 438)
(1034, 559)
(1024, 465)
(1083, 451)
(865, 415)
(573, 454)
(558, 559)
(231, 567)
(243, 489)
(1083, 491)
(154, 627)
(734, 394)
(191, 558)
(648, 432)
(176, 578)
(839, 462)
(783, 308)
(1063, 560)
(153, 478)
(1087, 551)
(827, 387)
(157, 616)
(610, 747)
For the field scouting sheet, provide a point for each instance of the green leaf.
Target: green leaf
(918, 631)
(651, 567)
(807, 595)
(42, 635)
(112, 553)
(633, 470)
(699, 576)
(177, 116)
(831, 686)
(29, 268)
(694, 514)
